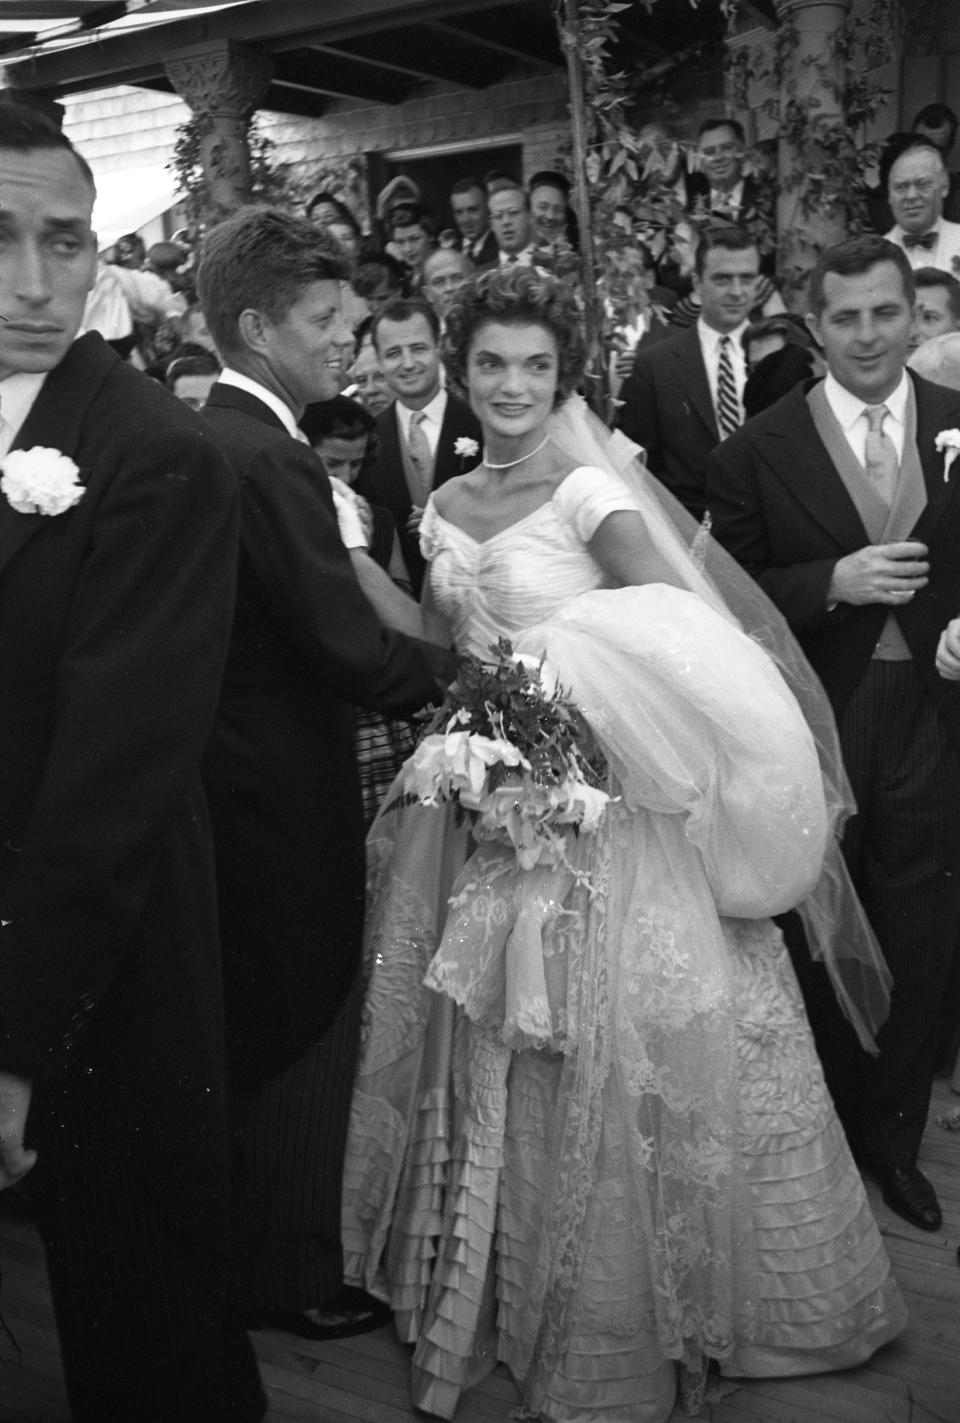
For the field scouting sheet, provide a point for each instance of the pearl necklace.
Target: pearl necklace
(510, 463)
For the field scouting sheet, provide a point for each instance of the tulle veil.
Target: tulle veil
(838, 932)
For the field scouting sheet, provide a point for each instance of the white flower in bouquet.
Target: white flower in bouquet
(507, 747)
(40, 481)
(585, 804)
(455, 764)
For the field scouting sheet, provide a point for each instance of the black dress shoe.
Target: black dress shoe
(350, 1311)
(908, 1192)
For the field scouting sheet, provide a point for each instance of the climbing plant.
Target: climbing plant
(271, 181)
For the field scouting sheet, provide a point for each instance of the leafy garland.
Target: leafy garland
(271, 182)
(828, 151)
(504, 700)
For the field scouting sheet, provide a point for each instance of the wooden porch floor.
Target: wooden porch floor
(364, 1380)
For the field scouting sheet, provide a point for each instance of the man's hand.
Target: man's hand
(413, 521)
(880, 573)
(14, 1106)
(948, 651)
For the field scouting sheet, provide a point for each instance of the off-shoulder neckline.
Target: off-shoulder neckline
(518, 523)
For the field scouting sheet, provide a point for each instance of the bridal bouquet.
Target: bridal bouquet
(515, 755)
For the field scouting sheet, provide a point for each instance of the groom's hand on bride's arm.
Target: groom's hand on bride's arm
(15, 1161)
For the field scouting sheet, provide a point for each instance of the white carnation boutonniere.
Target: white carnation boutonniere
(948, 443)
(40, 481)
(466, 447)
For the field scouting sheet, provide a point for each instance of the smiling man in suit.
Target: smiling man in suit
(418, 433)
(685, 393)
(836, 500)
(281, 772)
(118, 541)
(468, 203)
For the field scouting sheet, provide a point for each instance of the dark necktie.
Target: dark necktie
(926, 239)
(728, 403)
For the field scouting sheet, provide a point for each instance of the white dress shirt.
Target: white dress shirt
(727, 199)
(523, 258)
(434, 413)
(710, 349)
(228, 376)
(945, 253)
(848, 409)
(17, 394)
(474, 248)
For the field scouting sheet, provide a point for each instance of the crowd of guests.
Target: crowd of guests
(310, 676)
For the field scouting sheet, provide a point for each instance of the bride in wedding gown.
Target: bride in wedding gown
(657, 1181)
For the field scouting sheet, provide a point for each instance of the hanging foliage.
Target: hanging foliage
(271, 182)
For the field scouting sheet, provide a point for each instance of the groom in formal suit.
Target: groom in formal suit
(838, 501)
(280, 769)
(118, 542)
(678, 403)
(418, 433)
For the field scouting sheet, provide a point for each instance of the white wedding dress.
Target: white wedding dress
(665, 1183)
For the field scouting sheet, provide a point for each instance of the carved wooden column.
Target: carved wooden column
(812, 96)
(223, 83)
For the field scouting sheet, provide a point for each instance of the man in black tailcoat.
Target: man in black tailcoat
(839, 502)
(281, 772)
(118, 543)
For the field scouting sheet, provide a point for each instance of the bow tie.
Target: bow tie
(927, 240)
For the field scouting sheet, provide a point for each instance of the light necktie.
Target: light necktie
(880, 453)
(728, 402)
(418, 448)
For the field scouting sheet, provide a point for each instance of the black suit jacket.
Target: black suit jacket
(667, 408)
(280, 768)
(114, 625)
(755, 201)
(488, 255)
(780, 507)
(386, 482)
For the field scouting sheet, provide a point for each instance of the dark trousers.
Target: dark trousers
(145, 1308)
(903, 851)
(290, 1134)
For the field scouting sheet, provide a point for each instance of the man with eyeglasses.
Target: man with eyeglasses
(917, 189)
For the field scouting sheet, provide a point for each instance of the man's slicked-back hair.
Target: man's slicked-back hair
(734, 125)
(854, 258)
(404, 309)
(725, 236)
(937, 116)
(261, 259)
(927, 277)
(24, 130)
(508, 185)
(467, 185)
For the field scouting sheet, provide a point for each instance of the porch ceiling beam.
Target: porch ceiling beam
(459, 34)
(276, 25)
(419, 54)
(340, 76)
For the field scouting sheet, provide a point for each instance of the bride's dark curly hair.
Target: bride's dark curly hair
(516, 296)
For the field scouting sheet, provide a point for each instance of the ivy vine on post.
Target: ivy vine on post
(824, 91)
(616, 166)
(271, 181)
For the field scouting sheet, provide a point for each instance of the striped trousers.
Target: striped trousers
(289, 1137)
(903, 851)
